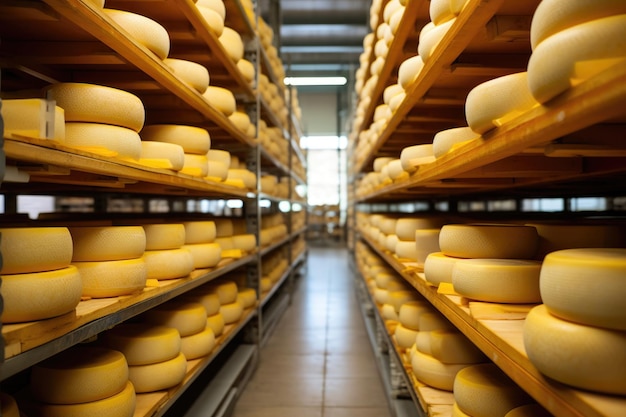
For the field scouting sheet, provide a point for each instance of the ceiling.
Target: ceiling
(319, 37)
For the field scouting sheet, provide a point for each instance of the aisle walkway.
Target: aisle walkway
(318, 362)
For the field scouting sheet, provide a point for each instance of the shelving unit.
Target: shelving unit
(566, 148)
(51, 41)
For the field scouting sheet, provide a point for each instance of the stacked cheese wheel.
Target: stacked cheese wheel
(231, 306)
(200, 242)
(38, 281)
(209, 298)
(485, 391)
(100, 119)
(219, 162)
(578, 336)
(273, 229)
(26, 117)
(572, 41)
(194, 141)
(239, 176)
(417, 237)
(81, 381)
(500, 268)
(214, 13)
(143, 30)
(446, 140)
(274, 266)
(165, 256)
(443, 14)
(110, 259)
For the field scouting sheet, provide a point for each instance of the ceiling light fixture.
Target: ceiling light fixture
(317, 81)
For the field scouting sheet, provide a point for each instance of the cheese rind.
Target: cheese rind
(216, 323)
(438, 268)
(186, 317)
(498, 241)
(409, 70)
(200, 231)
(431, 37)
(209, 300)
(194, 74)
(205, 255)
(432, 372)
(145, 31)
(35, 249)
(231, 312)
(410, 312)
(221, 98)
(164, 236)
(144, 344)
(226, 291)
(108, 243)
(169, 263)
(405, 337)
(109, 140)
(454, 347)
(158, 376)
(102, 279)
(232, 43)
(212, 18)
(446, 140)
(152, 150)
(194, 140)
(198, 345)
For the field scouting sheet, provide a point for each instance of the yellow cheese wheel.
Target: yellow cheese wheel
(89, 103)
(194, 140)
(380, 162)
(226, 291)
(396, 172)
(410, 313)
(430, 38)
(423, 342)
(226, 243)
(162, 151)
(432, 372)
(26, 117)
(495, 102)
(195, 165)
(35, 249)
(440, 11)
(398, 298)
(118, 405)
(266, 284)
(390, 9)
(586, 286)
(528, 410)
(216, 5)
(247, 69)
(241, 120)
(405, 338)
(164, 236)
(217, 171)
(200, 231)
(406, 226)
(207, 298)
(231, 312)
(103, 139)
(143, 344)
(219, 156)
(103, 279)
(40, 295)
(245, 242)
(553, 16)
(246, 297)
(498, 280)
(409, 70)
(185, 316)
(213, 19)
(414, 156)
(426, 242)
(383, 277)
(158, 376)
(205, 255)
(586, 357)
(192, 73)
(387, 225)
(8, 406)
(453, 347)
(500, 241)
(396, 20)
(485, 391)
(247, 177)
(222, 99)
(232, 43)
(168, 263)
(198, 345)
(388, 312)
(143, 30)
(216, 323)
(107, 243)
(438, 268)
(406, 250)
(78, 375)
(390, 91)
(433, 320)
(446, 140)
(390, 242)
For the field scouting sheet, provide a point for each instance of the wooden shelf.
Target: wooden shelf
(502, 342)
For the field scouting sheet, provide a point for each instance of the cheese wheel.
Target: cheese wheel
(414, 156)
(405, 338)
(432, 372)
(222, 99)
(192, 73)
(168, 264)
(446, 140)
(396, 20)
(98, 104)
(409, 70)
(118, 405)
(406, 226)
(8, 406)
(433, 320)
(161, 151)
(246, 297)
(164, 236)
(245, 242)
(387, 225)
(440, 11)
(390, 9)
(108, 243)
(485, 391)
(438, 268)
(103, 279)
(410, 313)
(383, 278)
(553, 16)
(453, 347)
(27, 117)
(390, 91)
(78, 375)
(430, 38)
(457, 412)
(586, 286)
(143, 344)
(396, 101)
(198, 345)
(158, 376)
(406, 250)
(528, 410)
(499, 241)
(381, 296)
(216, 5)
(390, 242)
(226, 243)
(498, 280)
(185, 316)
(246, 68)
(232, 43)
(217, 171)
(226, 291)
(381, 50)
(219, 156)
(216, 323)
(247, 177)
(554, 237)
(103, 139)
(380, 162)
(241, 120)
(200, 231)
(194, 140)
(396, 172)
(205, 255)
(213, 19)
(398, 298)
(426, 242)
(495, 102)
(208, 299)
(40, 295)
(195, 165)
(231, 312)
(388, 312)
(143, 30)
(35, 249)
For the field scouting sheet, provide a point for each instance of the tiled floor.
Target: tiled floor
(318, 362)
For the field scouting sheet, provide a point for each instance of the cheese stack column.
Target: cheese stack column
(200, 242)
(82, 381)
(110, 259)
(578, 336)
(38, 281)
(208, 296)
(231, 307)
(164, 256)
(243, 241)
(411, 228)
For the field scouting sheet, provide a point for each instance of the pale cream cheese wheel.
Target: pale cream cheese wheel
(89, 103)
(195, 165)
(247, 297)
(395, 170)
(410, 312)
(194, 74)
(231, 312)
(396, 20)
(104, 279)
(214, 21)
(143, 344)
(406, 226)
(35, 249)
(221, 98)
(241, 120)
(405, 337)
(216, 5)
(587, 357)
(409, 70)
(216, 323)
(433, 372)
(207, 298)
(107, 243)
(217, 171)
(446, 140)
(438, 268)
(388, 312)
(426, 242)
(440, 11)
(232, 43)
(390, 91)
(158, 376)
(226, 291)
(498, 241)
(145, 31)
(246, 68)
(194, 140)
(414, 156)
(220, 156)
(396, 101)
(430, 38)
(103, 139)
(171, 152)
(454, 347)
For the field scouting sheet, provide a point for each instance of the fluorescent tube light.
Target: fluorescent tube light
(316, 81)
